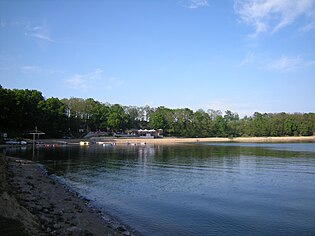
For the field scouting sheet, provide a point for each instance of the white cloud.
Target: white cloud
(84, 81)
(193, 4)
(92, 80)
(249, 58)
(30, 69)
(35, 70)
(113, 83)
(273, 15)
(78, 82)
(39, 32)
(284, 64)
(281, 64)
(97, 74)
(288, 64)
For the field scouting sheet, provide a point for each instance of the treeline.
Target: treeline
(23, 110)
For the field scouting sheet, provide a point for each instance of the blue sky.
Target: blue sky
(240, 55)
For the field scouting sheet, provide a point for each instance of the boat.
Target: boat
(14, 142)
(108, 144)
(84, 143)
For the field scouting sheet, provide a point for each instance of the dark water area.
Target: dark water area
(194, 189)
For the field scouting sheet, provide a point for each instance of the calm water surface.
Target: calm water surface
(197, 189)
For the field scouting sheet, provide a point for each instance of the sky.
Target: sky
(239, 55)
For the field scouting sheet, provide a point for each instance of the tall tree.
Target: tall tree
(162, 118)
(117, 120)
(133, 113)
(201, 124)
(232, 123)
(53, 118)
(182, 122)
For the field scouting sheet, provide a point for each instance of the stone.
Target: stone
(74, 230)
(127, 233)
(48, 229)
(54, 232)
(121, 228)
(67, 199)
(87, 233)
(56, 226)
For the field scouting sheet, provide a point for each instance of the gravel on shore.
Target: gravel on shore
(33, 203)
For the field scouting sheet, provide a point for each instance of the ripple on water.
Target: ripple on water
(208, 189)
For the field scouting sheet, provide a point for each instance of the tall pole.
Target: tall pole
(34, 135)
(33, 145)
(34, 140)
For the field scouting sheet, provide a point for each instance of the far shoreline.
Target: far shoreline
(174, 140)
(177, 140)
(216, 139)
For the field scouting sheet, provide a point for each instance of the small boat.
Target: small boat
(109, 144)
(106, 144)
(84, 143)
(14, 142)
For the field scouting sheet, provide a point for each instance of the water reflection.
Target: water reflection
(202, 189)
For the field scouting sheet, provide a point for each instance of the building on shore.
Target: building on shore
(145, 133)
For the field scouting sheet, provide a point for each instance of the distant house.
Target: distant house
(145, 133)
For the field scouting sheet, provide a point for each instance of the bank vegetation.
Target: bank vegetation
(22, 110)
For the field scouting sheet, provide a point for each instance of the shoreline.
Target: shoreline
(174, 140)
(163, 141)
(44, 206)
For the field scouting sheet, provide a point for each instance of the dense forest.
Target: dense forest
(23, 110)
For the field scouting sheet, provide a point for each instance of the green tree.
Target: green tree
(201, 124)
(259, 125)
(22, 110)
(232, 124)
(134, 115)
(290, 127)
(53, 118)
(99, 117)
(117, 118)
(181, 122)
(220, 126)
(162, 118)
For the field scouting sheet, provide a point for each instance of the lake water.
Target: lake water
(194, 189)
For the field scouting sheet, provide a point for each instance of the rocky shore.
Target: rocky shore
(33, 203)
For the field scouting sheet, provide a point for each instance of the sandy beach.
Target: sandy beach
(213, 140)
(175, 140)
(33, 203)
